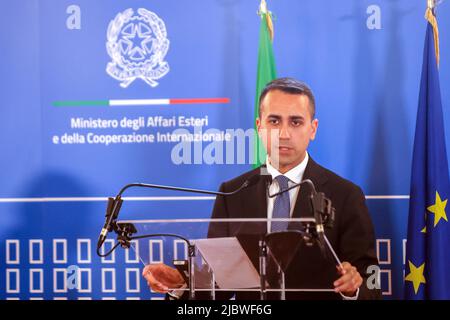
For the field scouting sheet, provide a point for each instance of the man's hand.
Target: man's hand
(161, 278)
(350, 280)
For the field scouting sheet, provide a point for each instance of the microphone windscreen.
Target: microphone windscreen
(109, 206)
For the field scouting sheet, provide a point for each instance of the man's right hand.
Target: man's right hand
(161, 278)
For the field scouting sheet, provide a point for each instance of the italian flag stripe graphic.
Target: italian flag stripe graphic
(138, 102)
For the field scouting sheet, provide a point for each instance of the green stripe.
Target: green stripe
(81, 103)
(266, 72)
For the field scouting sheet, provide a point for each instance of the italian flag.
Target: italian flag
(266, 70)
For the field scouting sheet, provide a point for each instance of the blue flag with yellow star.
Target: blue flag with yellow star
(427, 268)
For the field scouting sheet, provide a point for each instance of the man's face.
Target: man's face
(285, 127)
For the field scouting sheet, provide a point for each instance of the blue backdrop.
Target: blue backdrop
(361, 58)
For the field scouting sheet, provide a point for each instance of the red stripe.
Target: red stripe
(199, 100)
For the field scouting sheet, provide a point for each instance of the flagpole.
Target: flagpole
(430, 16)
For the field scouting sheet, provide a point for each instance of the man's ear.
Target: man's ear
(314, 125)
(258, 124)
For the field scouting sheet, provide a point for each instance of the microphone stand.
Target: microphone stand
(114, 204)
(125, 231)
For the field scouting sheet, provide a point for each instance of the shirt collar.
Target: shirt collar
(295, 174)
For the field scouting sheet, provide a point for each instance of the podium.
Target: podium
(219, 258)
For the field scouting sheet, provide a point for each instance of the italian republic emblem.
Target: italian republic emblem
(137, 45)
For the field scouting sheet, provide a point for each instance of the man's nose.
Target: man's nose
(284, 133)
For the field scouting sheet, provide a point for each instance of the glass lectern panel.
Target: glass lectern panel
(221, 258)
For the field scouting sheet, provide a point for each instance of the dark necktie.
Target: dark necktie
(282, 206)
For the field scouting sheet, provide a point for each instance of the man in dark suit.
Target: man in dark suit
(286, 125)
(352, 235)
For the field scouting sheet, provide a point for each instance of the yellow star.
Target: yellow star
(416, 275)
(424, 230)
(438, 209)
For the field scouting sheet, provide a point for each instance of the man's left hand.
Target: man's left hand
(350, 280)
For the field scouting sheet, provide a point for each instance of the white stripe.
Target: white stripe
(217, 220)
(9, 200)
(138, 102)
(387, 197)
(169, 198)
(94, 199)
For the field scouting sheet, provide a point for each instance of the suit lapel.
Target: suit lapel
(260, 207)
(254, 202)
(316, 174)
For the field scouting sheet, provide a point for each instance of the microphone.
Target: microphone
(320, 203)
(322, 209)
(114, 204)
(112, 210)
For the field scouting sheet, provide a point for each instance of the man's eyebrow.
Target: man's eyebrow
(297, 116)
(294, 117)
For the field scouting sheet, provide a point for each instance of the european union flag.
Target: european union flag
(427, 268)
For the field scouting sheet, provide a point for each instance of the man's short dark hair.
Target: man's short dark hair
(292, 86)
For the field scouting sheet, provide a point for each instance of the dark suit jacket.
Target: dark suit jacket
(352, 235)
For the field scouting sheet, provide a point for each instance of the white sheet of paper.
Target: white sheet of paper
(231, 266)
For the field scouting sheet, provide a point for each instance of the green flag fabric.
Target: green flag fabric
(266, 72)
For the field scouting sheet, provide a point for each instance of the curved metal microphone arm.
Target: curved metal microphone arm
(114, 204)
(322, 210)
(158, 186)
(306, 181)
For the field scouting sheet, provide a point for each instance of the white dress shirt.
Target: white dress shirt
(295, 175)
